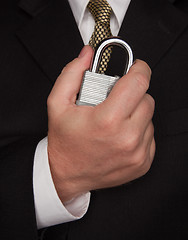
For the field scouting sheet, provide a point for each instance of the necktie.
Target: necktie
(101, 11)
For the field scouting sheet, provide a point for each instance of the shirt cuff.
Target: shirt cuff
(48, 207)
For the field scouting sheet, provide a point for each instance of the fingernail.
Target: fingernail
(82, 53)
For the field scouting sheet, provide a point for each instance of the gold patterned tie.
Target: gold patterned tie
(101, 11)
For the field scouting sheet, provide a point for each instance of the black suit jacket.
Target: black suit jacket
(38, 37)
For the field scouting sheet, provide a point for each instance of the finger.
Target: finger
(152, 150)
(128, 91)
(143, 113)
(148, 135)
(144, 156)
(149, 142)
(68, 83)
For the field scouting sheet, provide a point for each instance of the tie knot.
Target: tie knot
(101, 10)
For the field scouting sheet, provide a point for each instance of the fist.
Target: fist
(103, 146)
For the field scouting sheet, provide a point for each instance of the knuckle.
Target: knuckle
(106, 122)
(142, 80)
(66, 68)
(151, 101)
(148, 106)
(142, 162)
(69, 66)
(145, 168)
(139, 160)
(50, 101)
(132, 141)
(147, 67)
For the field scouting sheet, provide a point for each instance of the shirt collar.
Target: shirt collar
(79, 7)
(119, 9)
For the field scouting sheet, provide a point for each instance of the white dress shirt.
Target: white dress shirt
(85, 20)
(49, 208)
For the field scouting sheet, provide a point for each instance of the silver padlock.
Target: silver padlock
(96, 87)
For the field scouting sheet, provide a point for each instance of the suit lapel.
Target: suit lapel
(33, 7)
(151, 27)
(51, 34)
(53, 39)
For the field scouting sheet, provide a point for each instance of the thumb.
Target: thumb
(68, 83)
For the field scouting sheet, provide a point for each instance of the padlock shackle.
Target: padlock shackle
(112, 41)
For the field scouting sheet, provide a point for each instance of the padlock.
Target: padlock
(96, 87)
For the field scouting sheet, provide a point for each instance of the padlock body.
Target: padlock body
(95, 88)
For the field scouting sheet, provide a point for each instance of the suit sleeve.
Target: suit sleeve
(16, 190)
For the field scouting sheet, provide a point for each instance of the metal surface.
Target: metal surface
(96, 87)
(114, 41)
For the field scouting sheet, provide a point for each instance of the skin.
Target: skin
(104, 146)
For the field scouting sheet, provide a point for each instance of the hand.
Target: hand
(103, 146)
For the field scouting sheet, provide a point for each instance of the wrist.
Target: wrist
(65, 181)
